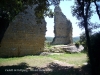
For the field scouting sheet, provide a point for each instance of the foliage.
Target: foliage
(77, 44)
(47, 44)
(77, 10)
(76, 39)
(55, 2)
(49, 39)
(83, 12)
(83, 41)
(95, 53)
(10, 8)
(13, 7)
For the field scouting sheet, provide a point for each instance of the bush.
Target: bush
(94, 53)
(83, 41)
(77, 44)
(94, 57)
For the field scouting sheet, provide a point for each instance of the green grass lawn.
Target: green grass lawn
(45, 65)
(30, 60)
(76, 59)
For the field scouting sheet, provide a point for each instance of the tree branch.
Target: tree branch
(87, 10)
(97, 8)
(81, 4)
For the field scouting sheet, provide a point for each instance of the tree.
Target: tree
(83, 41)
(10, 8)
(82, 10)
(97, 7)
(95, 51)
(13, 7)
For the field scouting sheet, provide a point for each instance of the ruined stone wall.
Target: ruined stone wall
(62, 28)
(24, 36)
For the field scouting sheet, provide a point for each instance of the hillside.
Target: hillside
(75, 39)
(49, 39)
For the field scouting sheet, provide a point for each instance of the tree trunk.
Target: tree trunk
(91, 55)
(88, 43)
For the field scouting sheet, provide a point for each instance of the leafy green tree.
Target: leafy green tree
(13, 7)
(10, 8)
(83, 41)
(82, 10)
(95, 53)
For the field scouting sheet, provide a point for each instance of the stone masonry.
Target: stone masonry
(62, 28)
(23, 36)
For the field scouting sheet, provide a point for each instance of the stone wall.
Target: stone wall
(23, 36)
(62, 28)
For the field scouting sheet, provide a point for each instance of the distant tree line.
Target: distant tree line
(50, 39)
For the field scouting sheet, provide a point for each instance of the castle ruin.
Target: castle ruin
(62, 28)
(24, 36)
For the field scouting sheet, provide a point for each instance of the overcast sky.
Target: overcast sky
(66, 9)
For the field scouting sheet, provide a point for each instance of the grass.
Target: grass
(38, 61)
(76, 59)
(44, 65)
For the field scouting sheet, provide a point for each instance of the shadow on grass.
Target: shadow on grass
(51, 69)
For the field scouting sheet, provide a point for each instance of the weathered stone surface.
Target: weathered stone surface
(45, 53)
(73, 49)
(54, 50)
(24, 36)
(62, 28)
(50, 53)
(64, 48)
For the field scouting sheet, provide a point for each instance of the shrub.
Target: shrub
(94, 53)
(83, 41)
(77, 44)
(47, 44)
(94, 57)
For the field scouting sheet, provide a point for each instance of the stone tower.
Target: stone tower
(62, 28)
(24, 36)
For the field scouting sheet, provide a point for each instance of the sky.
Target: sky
(66, 10)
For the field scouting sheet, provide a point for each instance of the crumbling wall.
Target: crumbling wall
(24, 36)
(62, 28)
